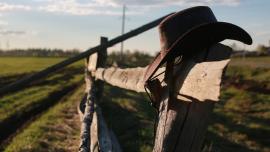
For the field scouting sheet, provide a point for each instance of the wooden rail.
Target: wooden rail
(43, 73)
(207, 88)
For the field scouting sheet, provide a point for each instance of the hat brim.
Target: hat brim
(197, 38)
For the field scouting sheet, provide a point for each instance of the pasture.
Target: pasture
(43, 116)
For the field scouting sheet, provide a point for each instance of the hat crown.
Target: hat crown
(181, 22)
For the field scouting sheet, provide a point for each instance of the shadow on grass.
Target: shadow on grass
(65, 74)
(5, 80)
(258, 135)
(216, 143)
(131, 118)
(10, 125)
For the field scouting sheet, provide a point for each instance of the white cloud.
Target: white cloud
(162, 3)
(79, 7)
(106, 7)
(76, 8)
(11, 32)
(111, 7)
(4, 7)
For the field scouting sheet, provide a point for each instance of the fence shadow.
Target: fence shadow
(130, 117)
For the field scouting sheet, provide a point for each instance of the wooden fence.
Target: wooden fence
(181, 124)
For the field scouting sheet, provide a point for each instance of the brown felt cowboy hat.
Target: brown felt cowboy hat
(185, 32)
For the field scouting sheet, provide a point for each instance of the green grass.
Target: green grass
(56, 130)
(22, 100)
(253, 62)
(16, 65)
(248, 73)
(252, 68)
(131, 117)
(17, 107)
(240, 120)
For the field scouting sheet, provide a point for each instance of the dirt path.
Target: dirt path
(20, 120)
(57, 129)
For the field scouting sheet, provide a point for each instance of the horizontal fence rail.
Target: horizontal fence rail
(132, 78)
(41, 74)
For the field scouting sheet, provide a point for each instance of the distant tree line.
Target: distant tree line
(39, 52)
(260, 50)
(129, 58)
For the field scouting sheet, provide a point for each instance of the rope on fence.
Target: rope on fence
(88, 117)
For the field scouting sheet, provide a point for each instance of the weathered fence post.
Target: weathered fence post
(100, 138)
(94, 91)
(98, 60)
(182, 125)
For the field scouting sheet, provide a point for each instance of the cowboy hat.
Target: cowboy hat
(187, 31)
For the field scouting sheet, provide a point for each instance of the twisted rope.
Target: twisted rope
(87, 118)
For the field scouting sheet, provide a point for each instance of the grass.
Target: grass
(18, 107)
(248, 73)
(252, 68)
(18, 101)
(130, 116)
(16, 65)
(56, 130)
(23, 100)
(252, 62)
(240, 121)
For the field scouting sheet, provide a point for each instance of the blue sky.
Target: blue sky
(78, 24)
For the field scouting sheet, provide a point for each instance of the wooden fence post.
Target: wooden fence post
(94, 92)
(100, 136)
(182, 125)
(101, 63)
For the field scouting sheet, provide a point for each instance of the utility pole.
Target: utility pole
(123, 30)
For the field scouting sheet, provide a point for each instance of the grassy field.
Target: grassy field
(17, 108)
(252, 62)
(240, 121)
(56, 130)
(18, 65)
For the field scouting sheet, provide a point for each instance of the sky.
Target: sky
(69, 24)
